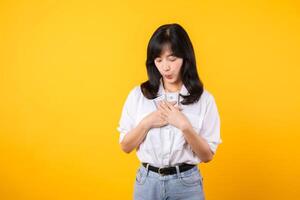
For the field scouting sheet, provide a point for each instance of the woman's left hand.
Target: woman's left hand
(173, 115)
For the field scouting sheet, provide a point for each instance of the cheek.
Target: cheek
(159, 67)
(177, 66)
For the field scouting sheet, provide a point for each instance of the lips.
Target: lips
(168, 76)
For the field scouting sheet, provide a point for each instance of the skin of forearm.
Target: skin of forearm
(134, 138)
(197, 143)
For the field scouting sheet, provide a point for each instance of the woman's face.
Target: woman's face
(169, 66)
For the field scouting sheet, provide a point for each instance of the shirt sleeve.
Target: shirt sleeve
(211, 125)
(126, 122)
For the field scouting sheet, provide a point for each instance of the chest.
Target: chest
(193, 112)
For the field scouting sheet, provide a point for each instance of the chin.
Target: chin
(169, 80)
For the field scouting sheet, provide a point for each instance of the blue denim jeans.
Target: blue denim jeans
(187, 185)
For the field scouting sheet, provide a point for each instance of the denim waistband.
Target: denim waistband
(189, 172)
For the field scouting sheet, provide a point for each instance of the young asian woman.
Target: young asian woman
(171, 120)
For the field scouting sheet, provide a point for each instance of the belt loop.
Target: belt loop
(178, 171)
(147, 168)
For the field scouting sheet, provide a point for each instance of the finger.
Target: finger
(161, 107)
(164, 107)
(178, 107)
(165, 122)
(172, 102)
(169, 105)
(163, 115)
(158, 103)
(163, 118)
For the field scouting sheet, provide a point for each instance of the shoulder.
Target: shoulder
(134, 93)
(207, 96)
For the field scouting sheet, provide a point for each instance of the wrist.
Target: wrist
(145, 125)
(185, 126)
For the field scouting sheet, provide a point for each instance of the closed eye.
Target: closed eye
(173, 59)
(157, 60)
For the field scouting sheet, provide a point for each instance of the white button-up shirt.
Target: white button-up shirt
(166, 146)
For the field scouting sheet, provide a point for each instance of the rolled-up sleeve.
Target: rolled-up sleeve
(210, 130)
(126, 122)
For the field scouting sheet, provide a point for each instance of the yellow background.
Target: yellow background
(66, 68)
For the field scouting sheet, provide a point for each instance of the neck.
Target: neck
(175, 87)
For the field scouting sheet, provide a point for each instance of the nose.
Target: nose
(166, 66)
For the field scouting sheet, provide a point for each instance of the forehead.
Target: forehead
(166, 51)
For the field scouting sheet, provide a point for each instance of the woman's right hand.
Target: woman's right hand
(155, 119)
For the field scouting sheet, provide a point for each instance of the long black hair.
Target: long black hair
(177, 38)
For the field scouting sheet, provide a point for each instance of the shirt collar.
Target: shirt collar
(161, 90)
